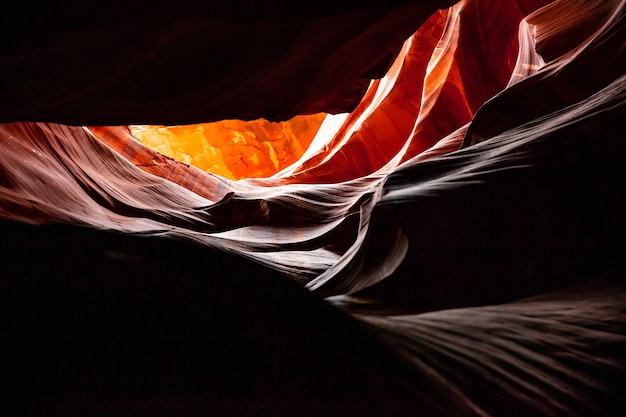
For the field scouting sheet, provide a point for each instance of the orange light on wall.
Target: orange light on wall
(234, 149)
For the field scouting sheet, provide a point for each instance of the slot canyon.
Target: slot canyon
(331, 208)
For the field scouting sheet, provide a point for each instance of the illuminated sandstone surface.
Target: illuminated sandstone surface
(439, 79)
(232, 148)
(464, 75)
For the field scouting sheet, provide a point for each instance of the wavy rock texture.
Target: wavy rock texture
(450, 243)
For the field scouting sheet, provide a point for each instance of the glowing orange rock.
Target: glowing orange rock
(379, 127)
(234, 149)
(441, 76)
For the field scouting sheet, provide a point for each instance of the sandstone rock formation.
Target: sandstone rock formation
(449, 243)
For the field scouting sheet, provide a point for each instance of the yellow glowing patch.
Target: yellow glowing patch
(234, 149)
(273, 156)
